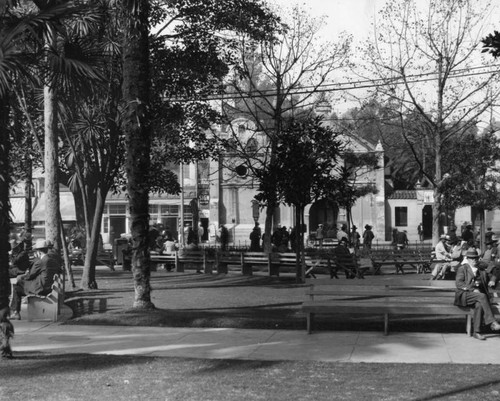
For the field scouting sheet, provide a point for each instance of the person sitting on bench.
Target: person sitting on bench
(472, 290)
(38, 279)
(341, 251)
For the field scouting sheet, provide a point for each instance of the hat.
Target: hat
(343, 239)
(354, 227)
(472, 254)
(368, 227)
(42, 244)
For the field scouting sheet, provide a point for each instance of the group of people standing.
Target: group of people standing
(353, 237)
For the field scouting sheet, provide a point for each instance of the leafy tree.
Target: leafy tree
(16, 62)
(308, 160)
(474, 177)
(355, 165)
(200, 22)
(279, 79)
(423, 60)
(491, 44)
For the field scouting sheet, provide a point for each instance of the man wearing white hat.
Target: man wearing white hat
(38, 279)
(472, 290)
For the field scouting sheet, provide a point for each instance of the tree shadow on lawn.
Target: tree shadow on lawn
(276, 316)
(32, 364)
(91, 307)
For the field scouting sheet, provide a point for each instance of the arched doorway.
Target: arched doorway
(427, 221)
(323, 212)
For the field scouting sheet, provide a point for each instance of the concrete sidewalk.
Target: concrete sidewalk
(210, 343)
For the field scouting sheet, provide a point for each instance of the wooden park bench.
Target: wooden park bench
(419, 259)
(194, 259)
(167, 259)
(259, 261)
(376, 296)
(106, 258)
(47, 307)
(224, 259)
(331, 263)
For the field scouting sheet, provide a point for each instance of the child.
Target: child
(6, 333)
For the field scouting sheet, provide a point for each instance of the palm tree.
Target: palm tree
(15, 63)
(136, 91)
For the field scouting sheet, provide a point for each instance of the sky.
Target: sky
(352, 16)
(356, 17)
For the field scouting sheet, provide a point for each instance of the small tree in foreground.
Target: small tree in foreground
(307, 160)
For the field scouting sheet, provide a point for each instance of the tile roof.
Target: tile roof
(404, 194)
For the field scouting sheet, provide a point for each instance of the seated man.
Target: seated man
(38, 279)
(443, 255)
(342, 249)
(472, 290)
(19, 259)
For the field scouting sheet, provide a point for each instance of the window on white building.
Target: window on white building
(401, 216)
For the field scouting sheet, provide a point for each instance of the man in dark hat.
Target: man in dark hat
(368, 237)
(468, 235)
(19, 258)
(341, 250)
(38, 279)
(472, 290)
(355, 237)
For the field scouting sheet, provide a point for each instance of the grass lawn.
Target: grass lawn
(99, 377)
(194, 300)
(233, 300)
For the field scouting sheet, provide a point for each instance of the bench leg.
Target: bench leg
(246, 269)
(207, 268)
(222, 268)
(386, 324)
(310, 318)
(469, 325)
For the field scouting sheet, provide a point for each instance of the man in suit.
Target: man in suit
(38, 279)
(472, 290)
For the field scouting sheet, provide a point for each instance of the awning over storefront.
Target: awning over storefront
(17, 210)
(66, 205)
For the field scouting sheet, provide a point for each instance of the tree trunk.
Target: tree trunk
(135, 87)
(28, 206)
(51, 163)
(4, 203)
(268, 226)
(299, 249)
(92, 244)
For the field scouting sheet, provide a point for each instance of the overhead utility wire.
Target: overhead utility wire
(334, 87)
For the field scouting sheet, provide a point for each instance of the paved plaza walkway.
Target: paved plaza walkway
(222, 343)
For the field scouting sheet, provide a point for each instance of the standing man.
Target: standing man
(201, 232)
(468, 235)
(420, 230)
(38, 279)
(472, 290)
(320, 235)
(368, 237)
